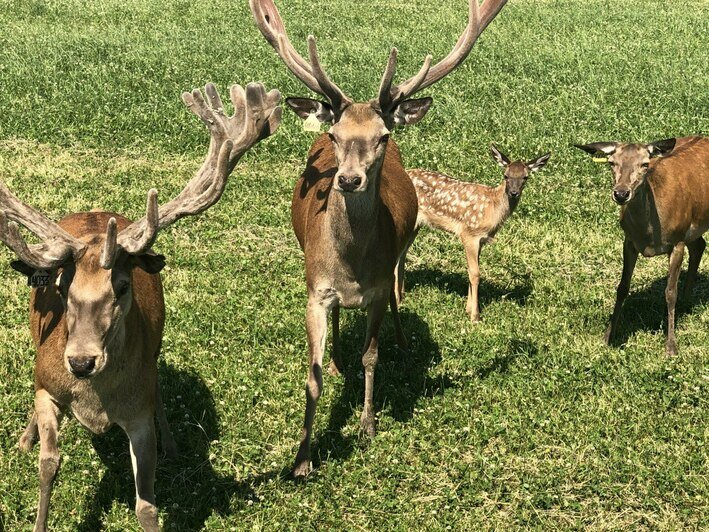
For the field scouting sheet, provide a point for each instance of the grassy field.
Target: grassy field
(524, 420)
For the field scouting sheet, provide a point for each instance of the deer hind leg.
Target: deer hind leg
(47, 416)
(336, 368)
(400, 271)
(143, 453)
(676, 257)
(30, 435)
(370, 357)
(630, 257)
(472, 254)
(167, 440)
(696, 250)
(400, 338)
(316, 326)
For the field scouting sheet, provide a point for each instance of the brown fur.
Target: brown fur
(351, 243)
(145, 322)
(667, 210)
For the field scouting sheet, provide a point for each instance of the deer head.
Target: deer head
(517, 172)
(94, 274)
(629, 163)
(360, 131)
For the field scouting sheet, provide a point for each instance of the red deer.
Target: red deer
(97, 318)
(663, 191)
(354, 207)
(473, 212)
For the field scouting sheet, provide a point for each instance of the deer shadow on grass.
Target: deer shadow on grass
(401, 379)
(646, 309)
(187, 489)
(457, 283)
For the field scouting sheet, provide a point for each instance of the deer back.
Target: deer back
(397, 196)
(680, 190)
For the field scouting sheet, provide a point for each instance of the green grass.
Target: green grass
(525, 420)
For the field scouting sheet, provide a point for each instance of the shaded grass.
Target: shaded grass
(524, 420)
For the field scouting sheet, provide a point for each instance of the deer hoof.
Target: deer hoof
(475, 318)
(26, 442)
(333, 370)
(367, 425)
(302, 469)
(671, 348)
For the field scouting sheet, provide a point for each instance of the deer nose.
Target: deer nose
(82, 366)
(621, 196)
(349, 183)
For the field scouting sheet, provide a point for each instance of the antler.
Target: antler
(269, 21)
(57, 245)
(256, 116)
(479, 16)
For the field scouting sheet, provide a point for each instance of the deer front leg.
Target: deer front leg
(336, 368)
(47, 415)
(167, 440)
(375, 314)
(472, 254)
(696, 250)
(630, 257)
(143, 453)
(676, 257)
(316, 326)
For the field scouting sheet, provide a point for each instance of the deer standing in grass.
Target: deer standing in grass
(663, 191)
(473, 212)
(98, 323)
(354, 208)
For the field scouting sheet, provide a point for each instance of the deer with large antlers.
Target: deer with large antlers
(663, 190)
(471, 211)
(354, 207)
(97, 318)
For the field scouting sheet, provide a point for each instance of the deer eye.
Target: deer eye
(122, 289)
(332, 138)
(384, 139)
(645, 165)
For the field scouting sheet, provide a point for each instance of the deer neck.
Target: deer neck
(504, 205)
(352, 219)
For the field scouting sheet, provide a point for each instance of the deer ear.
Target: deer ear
(409, 112)
(598, 147)
(499, 157)
(23, 268)
(306, 107)
(149, 262)
(537, 164)
(660, 148)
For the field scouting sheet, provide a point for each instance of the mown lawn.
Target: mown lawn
(524, 420)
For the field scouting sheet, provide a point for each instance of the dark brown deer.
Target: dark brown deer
(473, 212)
(354, 208)
(663, 191)
(97, 318)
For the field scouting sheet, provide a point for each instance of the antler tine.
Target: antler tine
(385, 95)
(57, 245)
(478, 19)
(110, 248)
(270, 23)
(337, 97)
(140, 238)
(256, 116)
(39, 256)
